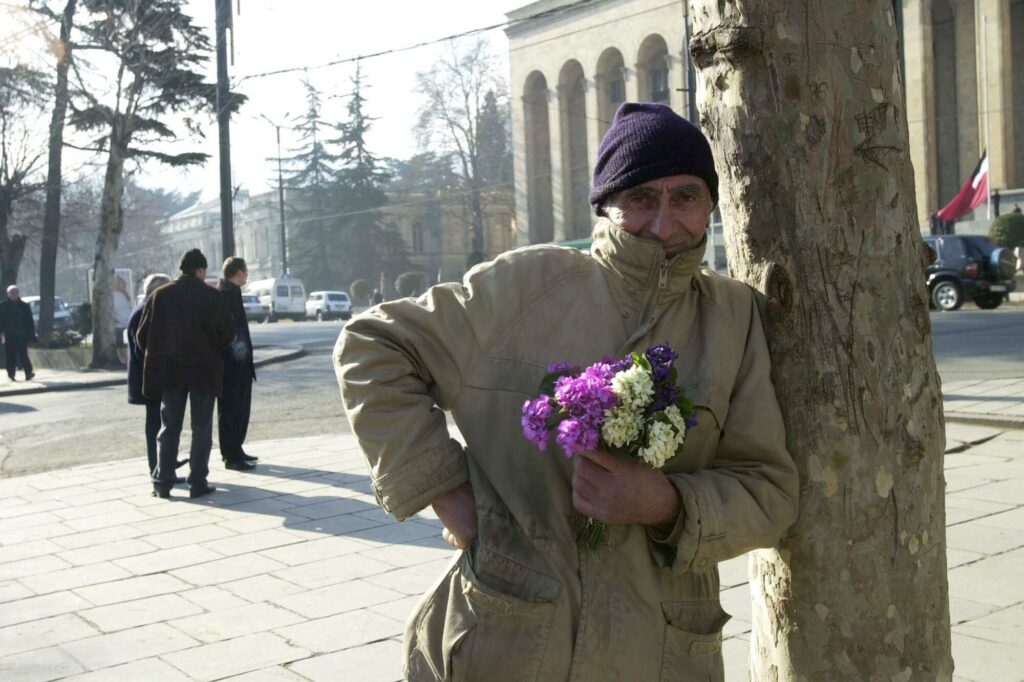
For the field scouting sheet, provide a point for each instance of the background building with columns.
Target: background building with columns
(574, 64)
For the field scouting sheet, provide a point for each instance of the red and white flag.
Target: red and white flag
(971, 195)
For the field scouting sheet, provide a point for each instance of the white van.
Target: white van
(285, 295)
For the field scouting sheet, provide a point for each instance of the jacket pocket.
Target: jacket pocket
(693, 641)
(499, 628)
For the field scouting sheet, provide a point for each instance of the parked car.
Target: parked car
(254, 310)
(285, 295)
(329, 305)
(968, 267)
(62, 320)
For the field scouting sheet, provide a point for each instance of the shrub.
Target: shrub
(410, 283)
(361, 290)
(1008, 230)
(65, 339)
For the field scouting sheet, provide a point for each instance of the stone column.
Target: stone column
(591, 93)
(995, 41)
(555, 124)
(676, 84)
(920, 103)
(631, 79)
(521, 181)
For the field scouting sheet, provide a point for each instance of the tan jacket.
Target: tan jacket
(526, 601)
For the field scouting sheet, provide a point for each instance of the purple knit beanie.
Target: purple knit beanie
(648, 141)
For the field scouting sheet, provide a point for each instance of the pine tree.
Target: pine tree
(494, 150)
(367, 246)
(156, 54)
(310, 176)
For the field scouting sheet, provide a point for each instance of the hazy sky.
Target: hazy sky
(278, 34)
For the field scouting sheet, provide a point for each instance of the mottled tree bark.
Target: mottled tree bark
(104, 342)
(803, 103)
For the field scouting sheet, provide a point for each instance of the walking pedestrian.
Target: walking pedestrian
(18, 329)
(235, 402)
(135, 364)
(185, 326)
(645, 604)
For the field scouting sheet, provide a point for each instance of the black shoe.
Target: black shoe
(11, 376)
(162, 490)
(199, 491)
(239, 465)
(179, 480)
(28, 377)
(250, 458)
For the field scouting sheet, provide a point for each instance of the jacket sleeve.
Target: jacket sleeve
(223, 324)
(748, 498)
(142, 334)
(399, 365)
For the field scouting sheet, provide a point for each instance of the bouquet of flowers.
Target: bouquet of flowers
(631, 406)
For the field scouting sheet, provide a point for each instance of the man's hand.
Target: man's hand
(457, 511)
(614, 489)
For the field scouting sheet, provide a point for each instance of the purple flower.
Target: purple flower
(662, 354)
(617, 366)
(690, 423)
(575, 435)
(664, 395)
(588, 394)
(562, 368)
(535, 417)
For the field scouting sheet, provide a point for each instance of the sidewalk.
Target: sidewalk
(65, 380)
(291, 572)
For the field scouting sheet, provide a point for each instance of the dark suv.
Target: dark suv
(968, 267)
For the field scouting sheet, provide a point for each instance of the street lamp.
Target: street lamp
(280, 195)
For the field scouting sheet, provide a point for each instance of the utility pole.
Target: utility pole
(227, 230)
(280, 197)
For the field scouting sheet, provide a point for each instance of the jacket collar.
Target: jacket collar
(638, 262)
(226, 285)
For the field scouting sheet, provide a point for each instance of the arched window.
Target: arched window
(611, 87)
(418, 243)
(652, 70)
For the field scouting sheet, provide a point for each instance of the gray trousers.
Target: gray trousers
(172, 414)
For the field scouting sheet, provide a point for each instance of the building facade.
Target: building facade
(572, 65)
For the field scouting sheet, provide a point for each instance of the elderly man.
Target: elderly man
(185, 326)
(18, 329)
(644, 604)
(235, 402)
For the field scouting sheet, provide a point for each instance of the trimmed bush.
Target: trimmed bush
(410, 283)
(361, 290)
(1008, 230)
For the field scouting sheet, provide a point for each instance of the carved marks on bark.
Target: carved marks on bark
(872, 124)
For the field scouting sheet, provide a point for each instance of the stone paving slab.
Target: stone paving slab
(292, 573)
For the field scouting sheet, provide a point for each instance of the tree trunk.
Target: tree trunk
(104, 345)
(12, 247)
(804, 106)
(51, 218)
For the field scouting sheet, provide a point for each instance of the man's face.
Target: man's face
(240, 278)
(673, 210)
(201, 273)
(13, 294)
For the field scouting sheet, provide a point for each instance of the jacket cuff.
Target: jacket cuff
(434, 473)
(678, 548)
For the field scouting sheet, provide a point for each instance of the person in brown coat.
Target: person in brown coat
(185, 327)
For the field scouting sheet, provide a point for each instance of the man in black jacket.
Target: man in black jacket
(185, 327)
(235, 402)
(17, 329)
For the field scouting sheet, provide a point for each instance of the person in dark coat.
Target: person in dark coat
(185, 326)
(135, 362)
(18, 329)
(235, 402)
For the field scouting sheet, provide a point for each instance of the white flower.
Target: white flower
(621, 426)
(633, 387)
(677, 420)
(661, 445)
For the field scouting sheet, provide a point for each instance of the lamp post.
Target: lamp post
(280, 195)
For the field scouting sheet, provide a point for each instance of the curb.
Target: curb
(293, 353)
(1007, 422)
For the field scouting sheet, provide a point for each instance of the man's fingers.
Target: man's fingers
(452, 539)
(603, 459)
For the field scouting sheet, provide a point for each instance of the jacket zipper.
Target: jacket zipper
(663, 275)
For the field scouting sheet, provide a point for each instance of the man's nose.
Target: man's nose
(663, 223)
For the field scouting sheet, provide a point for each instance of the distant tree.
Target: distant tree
(410, 283)
(22, 101)
(1008, 230)
(367, 245)
(310, 175)
(454, 92)
(495, 152)
(426, 172)
(361, 290)
(156, 54)
(51, 218)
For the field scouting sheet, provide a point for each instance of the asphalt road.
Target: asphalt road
(300, 397)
